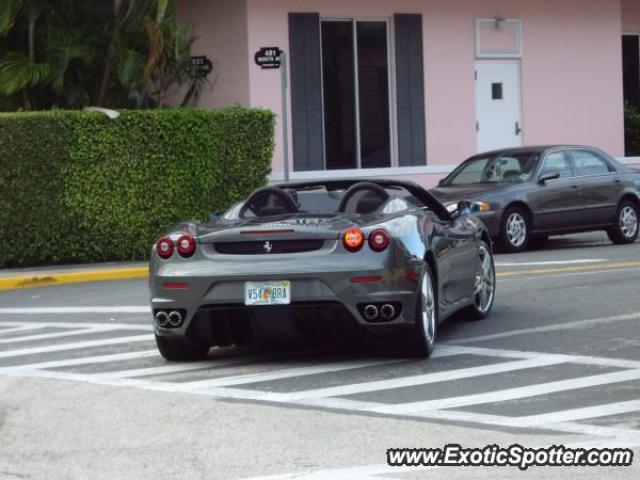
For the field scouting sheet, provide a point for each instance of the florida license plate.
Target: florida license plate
(267, 293)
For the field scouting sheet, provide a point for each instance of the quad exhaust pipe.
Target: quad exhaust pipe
(370, 312)
(162, 319)
(387, 311)
(169, 319)
(375, 312)
(175, 319)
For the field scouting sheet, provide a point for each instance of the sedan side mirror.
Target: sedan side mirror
(214, 217)
(441, 182)
(545, 177)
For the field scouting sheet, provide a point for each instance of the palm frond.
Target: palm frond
(161, 11)
(9, 10)
(130, 68)
(66, 46)
(17, 72)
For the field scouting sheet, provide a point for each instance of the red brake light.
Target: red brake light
(353, 239)
(186, 246)
(164, 247)
(379, 240)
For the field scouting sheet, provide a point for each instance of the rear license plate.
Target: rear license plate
(267, 293)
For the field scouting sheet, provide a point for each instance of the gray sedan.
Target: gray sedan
(524, 195)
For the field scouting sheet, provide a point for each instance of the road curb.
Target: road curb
(50, 278)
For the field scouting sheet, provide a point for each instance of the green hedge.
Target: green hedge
(632, 131)
(79, 187)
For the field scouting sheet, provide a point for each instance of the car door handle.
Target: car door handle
(575, 186)
(616, 180)
(518, 129)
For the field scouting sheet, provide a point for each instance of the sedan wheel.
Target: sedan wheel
(423, 337)
(625, 229)
(628, 221)
(484, 285)
(514, 235)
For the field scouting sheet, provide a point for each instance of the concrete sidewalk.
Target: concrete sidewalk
(59, 275)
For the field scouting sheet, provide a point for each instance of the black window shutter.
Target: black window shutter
(410, 90)
(306, 91)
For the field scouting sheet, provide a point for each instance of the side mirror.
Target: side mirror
(545, 177)
(441, 182)
(214, 217)
(463, 207)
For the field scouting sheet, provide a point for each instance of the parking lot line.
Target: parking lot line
(417, 380)
(75, 346)
(511, 393)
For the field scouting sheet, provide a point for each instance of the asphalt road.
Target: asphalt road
(83, 393)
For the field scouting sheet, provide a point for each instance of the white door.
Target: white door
(498, 104)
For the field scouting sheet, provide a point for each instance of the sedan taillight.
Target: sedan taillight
(164, 247)
(379, 240)
(186, 246)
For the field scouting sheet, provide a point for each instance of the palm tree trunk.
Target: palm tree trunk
(32, 18)
(104, 83)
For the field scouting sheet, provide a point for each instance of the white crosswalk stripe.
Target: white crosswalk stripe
(282, 374)
(511, 393)
(76, 346)
(48, 336)
(309, 381)
(428, 378)
(16, 328)
(72, 362)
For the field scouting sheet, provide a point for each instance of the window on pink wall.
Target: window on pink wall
(631, 68)
(355, 66)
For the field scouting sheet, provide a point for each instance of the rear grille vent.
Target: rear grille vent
(267, 247)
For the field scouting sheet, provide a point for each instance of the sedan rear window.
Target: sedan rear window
(588, 163)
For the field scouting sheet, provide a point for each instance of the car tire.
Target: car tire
(515, 231)
(484, 289)
(177, 350)
(423, 335)
(625, 228)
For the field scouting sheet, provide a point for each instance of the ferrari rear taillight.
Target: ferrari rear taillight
(186, 246)
(379, 240)
(164, 247)
(353, 239)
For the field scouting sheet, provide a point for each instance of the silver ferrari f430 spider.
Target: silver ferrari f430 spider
(336, 260)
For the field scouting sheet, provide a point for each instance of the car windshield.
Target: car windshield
(503, 168)
(320, 200)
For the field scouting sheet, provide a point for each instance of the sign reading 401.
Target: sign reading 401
(268, 57)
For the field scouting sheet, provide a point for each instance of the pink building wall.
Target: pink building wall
(221, 30)
(631, 16)
(571, 65)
